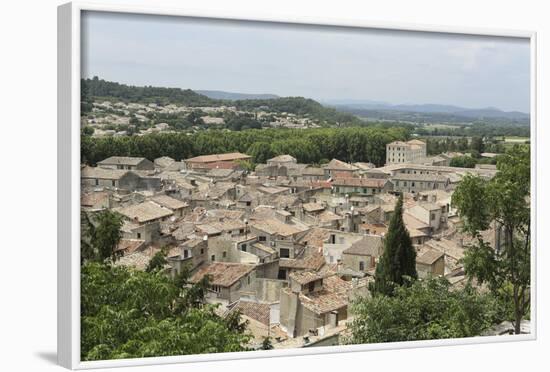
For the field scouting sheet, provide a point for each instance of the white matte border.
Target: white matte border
(69, 182)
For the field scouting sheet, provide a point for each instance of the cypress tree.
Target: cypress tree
(399, 257)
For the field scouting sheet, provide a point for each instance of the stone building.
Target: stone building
(126, 162)
(405, 152)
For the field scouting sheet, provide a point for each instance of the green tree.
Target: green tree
(427, 309)
(157, 262)
(477, 144)
(503, 202)
(260, 152)
(100, 235)
(127, 313)
(398, 261)
(463, 162)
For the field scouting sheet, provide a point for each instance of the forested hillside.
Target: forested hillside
(99, 89)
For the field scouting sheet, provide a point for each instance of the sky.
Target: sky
(320, 62)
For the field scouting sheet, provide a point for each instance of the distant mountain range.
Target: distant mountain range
(357, 106)
(219, 94)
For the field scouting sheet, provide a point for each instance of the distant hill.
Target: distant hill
(99, 89)
(456, 111)
(231, 96)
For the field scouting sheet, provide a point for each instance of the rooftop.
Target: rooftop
(336, 164)
(121, 160)
(169, 202)
(305, 277)
(102, 173)
(224, 274)
(218, 157)
(144, 212)
(429, 257)
(368, 245)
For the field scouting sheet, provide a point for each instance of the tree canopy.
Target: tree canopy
(504, 204)
(427, 309)
(127, 313)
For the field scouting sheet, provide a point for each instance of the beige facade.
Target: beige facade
(405, 152)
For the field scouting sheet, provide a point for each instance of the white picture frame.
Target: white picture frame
(69, 74)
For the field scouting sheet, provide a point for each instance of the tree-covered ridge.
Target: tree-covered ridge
(299, 106)
(99, 88)
(310, 146)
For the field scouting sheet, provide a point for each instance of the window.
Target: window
(96, 182)
(241, 231)
(412, 184)
(361, 265)
(243, 247)
(285, 253)
(185, 253)
(248, 279)
(404, 183)
(262, 238)
(213, 258)
(224, 255)
(282, 274)
(311, 286)
(433, 216)
(113, 182)
(202, 250)
(139, 235)
(248, 204)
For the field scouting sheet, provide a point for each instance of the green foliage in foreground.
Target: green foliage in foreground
(427, 309)
(504, 201)
(351, 144)
(128, 313)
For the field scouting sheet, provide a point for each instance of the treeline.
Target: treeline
(478, 129)
(476, 145)
(312, 146)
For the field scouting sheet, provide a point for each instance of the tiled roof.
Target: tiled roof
(305, 277)
(224, 274)
(129, 245)
(336, 164)
(102, 173)
(274, 226)
(218, 157)
(93, 198)
(255, 310)
(169, 202)
(368, 245)
(144, 212)
(313, 207)
(429, 257)
(122, 160)
(333, 296)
